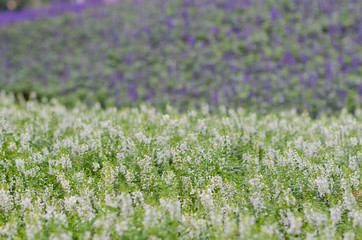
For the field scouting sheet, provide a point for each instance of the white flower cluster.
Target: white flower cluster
(88, 173)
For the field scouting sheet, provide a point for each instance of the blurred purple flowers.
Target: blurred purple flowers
(285, 54)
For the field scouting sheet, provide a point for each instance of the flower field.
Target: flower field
(136, 173)
(181, 119)
(262, 54)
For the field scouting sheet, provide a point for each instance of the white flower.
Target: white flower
(349, 236)
(96, 166)
(26, 204)
(336, 214)
(245, 224)
(295, 223)
(6, 201)
(173, 206)
(322, 184)
(357, 218)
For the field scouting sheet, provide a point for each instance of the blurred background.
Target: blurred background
(16, 5)
(263, 55)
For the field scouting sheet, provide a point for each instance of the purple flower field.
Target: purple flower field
(263, 55)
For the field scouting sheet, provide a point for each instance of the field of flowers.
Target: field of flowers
(260, 54)
(181, 119)
(137, 173)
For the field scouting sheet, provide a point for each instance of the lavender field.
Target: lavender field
(260, 54)
(181, 119)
